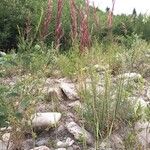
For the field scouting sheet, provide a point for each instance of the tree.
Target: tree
(107, 9)
(134, 13)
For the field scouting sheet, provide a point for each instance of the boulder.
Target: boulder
(69, 90)
(79, 133)
(6, 137)
(43, 120)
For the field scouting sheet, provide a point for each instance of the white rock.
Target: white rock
(6, 137)
(79, 133)
(48, 119)
(130, 76)
(6, 129)
(2, 54)
(143, 134)
(41, 148)
(69, 90)
(67, 143)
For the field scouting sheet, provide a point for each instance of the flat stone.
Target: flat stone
(79, 133)
(143, 134)
(69, 90)
(48, 119)
(41, 148)
(61, 149)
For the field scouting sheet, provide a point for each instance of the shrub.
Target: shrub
(13, 14)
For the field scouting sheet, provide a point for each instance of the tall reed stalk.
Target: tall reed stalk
(47, 19)
(85, 40)
(110, 15)
(74, 25)
(58, 27)
(96, 18)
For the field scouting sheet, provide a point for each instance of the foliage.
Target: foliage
(15, 13)
(30, 16)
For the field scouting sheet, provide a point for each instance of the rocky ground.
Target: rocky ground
(63, 130)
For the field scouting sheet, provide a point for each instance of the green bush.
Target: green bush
(15, 13)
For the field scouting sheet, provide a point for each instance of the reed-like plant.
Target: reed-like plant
(58, 27)
(110, 15)
(85, 39)
(47, 19)
(74, 25)
(96, 18)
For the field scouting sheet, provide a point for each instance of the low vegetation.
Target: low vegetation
(44, 40)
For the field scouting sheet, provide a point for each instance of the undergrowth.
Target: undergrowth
(106, 106)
